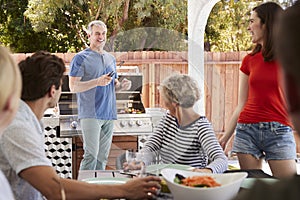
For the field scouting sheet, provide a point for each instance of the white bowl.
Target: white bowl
(230, 185)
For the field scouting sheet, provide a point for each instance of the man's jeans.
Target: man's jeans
(97, 139)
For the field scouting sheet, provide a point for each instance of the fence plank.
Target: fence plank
(231, 91)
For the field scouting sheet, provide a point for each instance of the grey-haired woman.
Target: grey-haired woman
(183, 136)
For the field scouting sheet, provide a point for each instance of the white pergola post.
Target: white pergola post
(198, 13)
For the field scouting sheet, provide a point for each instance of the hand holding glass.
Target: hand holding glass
(131, 161)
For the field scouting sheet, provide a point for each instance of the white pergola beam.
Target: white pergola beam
(198, 13)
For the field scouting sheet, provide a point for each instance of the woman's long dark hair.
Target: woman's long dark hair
(268, 14)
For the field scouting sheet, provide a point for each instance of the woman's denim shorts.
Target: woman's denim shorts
(271, 140)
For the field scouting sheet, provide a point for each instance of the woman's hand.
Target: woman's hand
(133, 165)
(223, 141)
(203, 170)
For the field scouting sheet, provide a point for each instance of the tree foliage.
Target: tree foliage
(59, 25)
(64, 21)
(226, 28)
(16, 31)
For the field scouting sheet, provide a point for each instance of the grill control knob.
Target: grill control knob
(74, 124)
(131, 123)
(139, 122)
(123, 123)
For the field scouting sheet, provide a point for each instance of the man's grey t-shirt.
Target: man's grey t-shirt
(22, 147)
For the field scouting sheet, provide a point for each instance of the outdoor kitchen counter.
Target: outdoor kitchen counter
(126, 124)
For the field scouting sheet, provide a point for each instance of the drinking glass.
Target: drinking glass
(132, 164)
(151, 159)
(130, 155)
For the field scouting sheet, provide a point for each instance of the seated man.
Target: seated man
(22, 155)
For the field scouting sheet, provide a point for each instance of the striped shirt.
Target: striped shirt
(195, 145)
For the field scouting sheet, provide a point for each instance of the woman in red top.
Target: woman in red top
(260, 120)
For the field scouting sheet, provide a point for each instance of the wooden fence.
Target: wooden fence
(221, 78)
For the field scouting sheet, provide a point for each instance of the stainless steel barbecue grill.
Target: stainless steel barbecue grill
(132, 119)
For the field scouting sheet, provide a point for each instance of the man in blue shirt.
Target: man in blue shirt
(93, 77)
